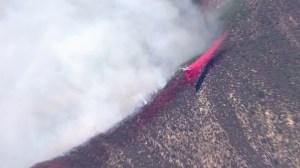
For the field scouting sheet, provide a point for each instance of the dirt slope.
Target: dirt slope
(246, 113)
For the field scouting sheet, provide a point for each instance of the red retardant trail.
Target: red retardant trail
(192, 70)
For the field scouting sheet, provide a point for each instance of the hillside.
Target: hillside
(246, 113)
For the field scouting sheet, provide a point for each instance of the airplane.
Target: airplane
(185, 69)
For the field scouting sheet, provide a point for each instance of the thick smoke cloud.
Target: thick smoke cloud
(70, 69)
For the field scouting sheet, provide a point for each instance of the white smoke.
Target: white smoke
(72, 68)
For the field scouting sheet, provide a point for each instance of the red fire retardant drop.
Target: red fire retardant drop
(192, 70)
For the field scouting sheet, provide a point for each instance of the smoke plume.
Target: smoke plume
(70, 69)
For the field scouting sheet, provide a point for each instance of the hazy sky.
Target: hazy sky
(72, 68)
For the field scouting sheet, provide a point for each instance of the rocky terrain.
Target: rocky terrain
(246, 113)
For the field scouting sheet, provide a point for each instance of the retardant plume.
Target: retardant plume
(209, 65)
(70, 69)
(193, 69)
